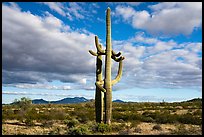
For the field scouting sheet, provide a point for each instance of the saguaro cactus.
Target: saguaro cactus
(99, 95)
(105, 86)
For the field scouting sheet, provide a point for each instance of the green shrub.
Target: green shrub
(181, 130)
(24, 103)
(80, 130)
(198, 112)
(57, 115)
(71, 123)
(117, 127)
(190, 119)
(46, 123)
(55, 131)
(101, 127)
(29, 122)
(157, 127)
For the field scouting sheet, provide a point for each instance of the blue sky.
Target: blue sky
(45, 49)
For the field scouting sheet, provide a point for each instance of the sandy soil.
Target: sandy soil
(13, 127)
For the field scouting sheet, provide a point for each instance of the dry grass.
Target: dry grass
(12, 128)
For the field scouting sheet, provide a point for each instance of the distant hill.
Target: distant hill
(62, 101)
(118, 101)
(67, 101)
(39, 101)
(195, 100)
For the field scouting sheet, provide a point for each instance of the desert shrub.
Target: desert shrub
(117, 127)
(101, 127)
(181, 130)
(80, 130)
(29, 121)
(198, 112)
(159, 117)
(57, 114)
(85, 116)
(126, 132)
(55, 131)
(165, 118)
(148, 116)
(189, 119)
(8, 114)
(153, 115)
(119, 116)
(71, 123)
(46, 123)
(134, 123)
(138, 130)
(148, 119)
(157, 127)
(127, 116)
(24, 103)
(21, 115)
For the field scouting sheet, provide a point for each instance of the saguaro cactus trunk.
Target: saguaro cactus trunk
(99, 95)
(103, 95)
(107, 84)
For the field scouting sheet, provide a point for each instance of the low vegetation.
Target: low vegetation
(181, 118)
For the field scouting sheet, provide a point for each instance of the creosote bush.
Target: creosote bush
(71, 123)
(79, 130)
(101, 127)
(157, 127)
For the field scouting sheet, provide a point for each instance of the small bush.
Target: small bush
(46, 123)
(181, 130)
(71, 123)
(126, 132)
(189, 119)
(81, 130)
(55, 131)
(117, 127)
(157, 127)
(29, 122)
(101, 127)
(138, 130)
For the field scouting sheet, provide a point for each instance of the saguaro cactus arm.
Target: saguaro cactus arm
(116, 54)
(117, 59)
(93, 53)
(119, 75)
(99, 49)
(98, 84)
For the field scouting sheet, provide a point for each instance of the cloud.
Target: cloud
(41, 86)
(160, 63)
(125, 3)
(47, 94)
(73, 10)
(39, 49)
(166, 18)
(56, 6)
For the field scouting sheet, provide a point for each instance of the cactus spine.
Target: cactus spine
(103, 95)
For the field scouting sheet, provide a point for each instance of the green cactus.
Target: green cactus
(99, 95)
(103, 96)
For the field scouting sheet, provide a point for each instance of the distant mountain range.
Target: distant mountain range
(66, 101)
(82, 99)
(62, 101)
(118, 100)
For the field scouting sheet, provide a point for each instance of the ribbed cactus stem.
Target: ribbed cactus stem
(103, 94)
(119, 75)
(93, 53)
(116, 54)
(107, 84)
(98, 46)
(99, 95)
